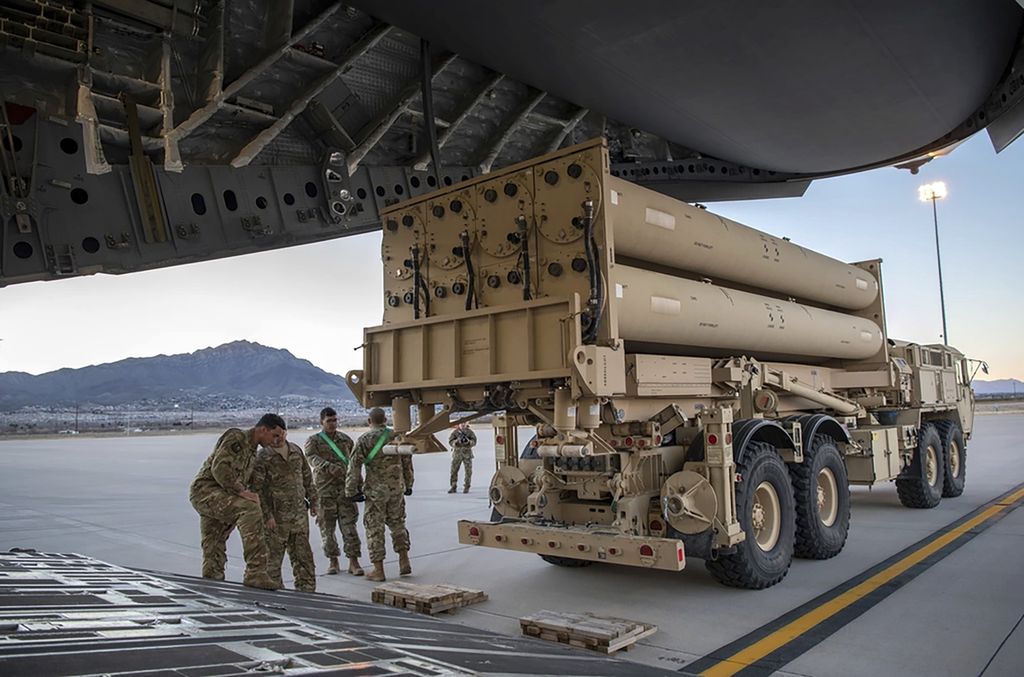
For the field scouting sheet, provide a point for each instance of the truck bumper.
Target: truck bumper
(576, 543)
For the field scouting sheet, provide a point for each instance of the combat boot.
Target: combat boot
(333, 567)
(354, 567)
(452, 490)
(378, 572)
(404, 565)
(261, 581)
(465, 489)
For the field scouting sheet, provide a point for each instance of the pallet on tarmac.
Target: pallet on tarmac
(586, 631)
(426, 599)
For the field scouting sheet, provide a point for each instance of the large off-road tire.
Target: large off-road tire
(822, 495)
(765, 509)
(920, 486)
(566, 561)
(954, 452)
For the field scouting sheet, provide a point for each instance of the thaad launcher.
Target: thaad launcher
(695, 387)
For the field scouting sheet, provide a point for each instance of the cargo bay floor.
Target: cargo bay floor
(958, 611)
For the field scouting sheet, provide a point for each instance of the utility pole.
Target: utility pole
(934, 192)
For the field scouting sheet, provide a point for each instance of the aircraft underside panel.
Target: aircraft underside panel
(148, 133)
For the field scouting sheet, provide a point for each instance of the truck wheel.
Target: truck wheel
(566, 561)
(920, 486)
(765, 507)
(822, 495)
(954, 452)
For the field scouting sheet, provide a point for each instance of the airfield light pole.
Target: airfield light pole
(932, 192)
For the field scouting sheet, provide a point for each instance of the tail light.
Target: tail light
(628, 442)
(679, 553)
(500, 439)
(646, 551)
(712, 439)
(656, 525)
(474, 532)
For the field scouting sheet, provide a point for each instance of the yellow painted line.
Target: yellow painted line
(798, 627)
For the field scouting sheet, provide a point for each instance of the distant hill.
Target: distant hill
(238, 369)
(998, 387)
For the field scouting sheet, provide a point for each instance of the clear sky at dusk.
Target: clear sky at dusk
(314, 300)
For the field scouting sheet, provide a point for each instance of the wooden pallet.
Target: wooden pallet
(586, 631)
(426, 599)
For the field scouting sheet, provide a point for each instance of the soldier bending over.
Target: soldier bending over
(220, 495)
(388, 482)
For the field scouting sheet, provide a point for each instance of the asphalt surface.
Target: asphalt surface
(124, 500)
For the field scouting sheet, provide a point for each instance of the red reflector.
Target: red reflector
(628, 441)
(656, 525)
(679, 553)
(614, 443)
(641, 443)
(646, 551)
(613, 551)
(552, 544)
(657, 440)
(473, 531)
(581, 547)
(728, 438)
(500, 439)
(712, 439)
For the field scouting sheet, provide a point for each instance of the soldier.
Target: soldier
(220, 495)
(388, 481)
(285, 485)
(462, 441)
(328, 453)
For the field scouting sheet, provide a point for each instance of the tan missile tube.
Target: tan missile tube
(657, 308)
(649, 226)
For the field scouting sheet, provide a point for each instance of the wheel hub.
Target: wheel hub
(931, 467)
(766, 516)
(954, 459)
(828, 497)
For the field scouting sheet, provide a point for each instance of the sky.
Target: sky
(315, 299)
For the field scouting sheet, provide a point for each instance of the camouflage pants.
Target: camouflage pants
(219, 513)
(385, 509)
(335, 509)
(462, 457)
(293, 539)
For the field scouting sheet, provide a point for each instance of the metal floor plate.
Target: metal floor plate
(65, 614)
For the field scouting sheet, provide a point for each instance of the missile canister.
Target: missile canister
(673, 311)
(649, 226)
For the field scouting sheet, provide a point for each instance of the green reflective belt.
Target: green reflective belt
(381, 441)
(334, 447)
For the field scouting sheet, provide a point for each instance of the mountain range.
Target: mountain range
(240, 369)
(232, 370)
(1002, 386)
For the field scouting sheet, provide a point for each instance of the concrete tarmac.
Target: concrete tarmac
(124, 500)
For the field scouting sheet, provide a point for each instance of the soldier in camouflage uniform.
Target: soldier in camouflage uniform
(388, 482)
(220, 495)
(285, 485)
(462, 441)
(330, 465)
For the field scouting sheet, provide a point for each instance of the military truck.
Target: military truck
(694, 387)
